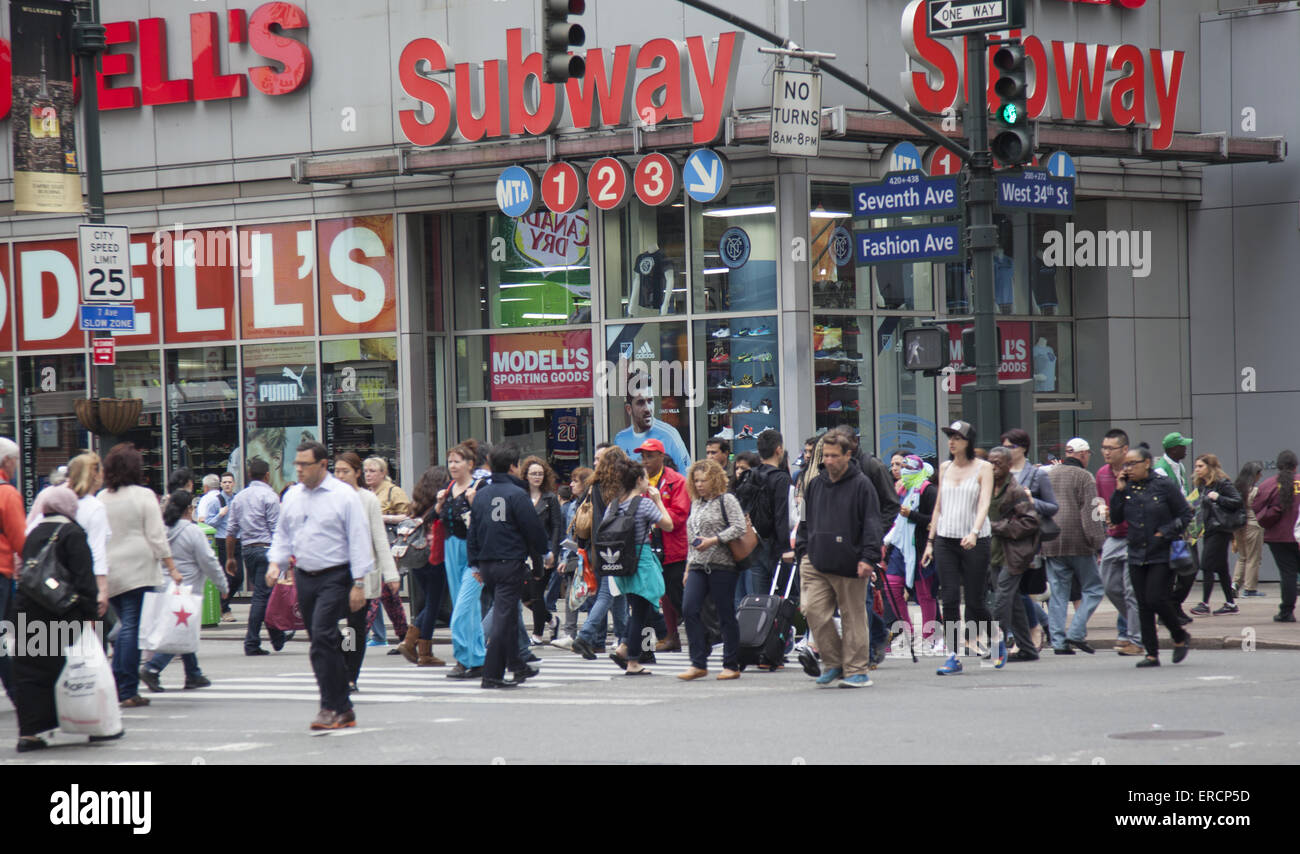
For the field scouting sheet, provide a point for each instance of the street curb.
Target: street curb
(1229, 642)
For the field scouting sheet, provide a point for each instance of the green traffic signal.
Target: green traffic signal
(1011, 114)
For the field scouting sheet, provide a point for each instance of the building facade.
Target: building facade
(319, 252)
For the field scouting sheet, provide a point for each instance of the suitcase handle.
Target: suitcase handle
(776, 577)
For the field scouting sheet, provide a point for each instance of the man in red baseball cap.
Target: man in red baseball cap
(671, 545)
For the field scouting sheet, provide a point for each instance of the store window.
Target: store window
(359, 381)
(48, 388)
(1052, 287)
(434, 393)
(734, 251)
(831, 264)
(1052, 354)
(645, 261)
(1055, 428)
(203, 410)
(8, 401)
(356, 275)
(649, 386)
(279, 405)
(136, 375)
(742, 376)
(898, 285)
(842, 376)
(427, 236)
(531, 271)
(560, 435)
(906, 399)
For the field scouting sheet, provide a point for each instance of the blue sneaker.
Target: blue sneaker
(376, 642)
(830, 675)
(1001, 660)
(952, 665)
(858, 680)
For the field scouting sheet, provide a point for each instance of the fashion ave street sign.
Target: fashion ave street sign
(606, 96)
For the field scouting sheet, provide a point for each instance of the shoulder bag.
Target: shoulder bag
(1048, 530)
(410, 548)
(46, 581)
(743, 546)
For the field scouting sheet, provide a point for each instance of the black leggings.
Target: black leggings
(1214, 561)
(638, 620)
(1287, 557)
(957, 568)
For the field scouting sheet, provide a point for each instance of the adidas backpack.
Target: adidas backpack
(614, 549)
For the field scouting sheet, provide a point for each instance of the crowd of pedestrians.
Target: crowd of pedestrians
(976, 543)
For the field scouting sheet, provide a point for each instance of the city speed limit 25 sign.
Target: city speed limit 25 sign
(105, 262)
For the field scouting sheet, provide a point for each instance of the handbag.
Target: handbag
(1180, 558)
(45, 581)
(581, 526)
(1225, 520)
(282, 611)
(743, 546)
(410, 549)
(1048, 529)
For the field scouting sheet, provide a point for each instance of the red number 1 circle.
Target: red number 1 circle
(564, 188)
(608, 183)
(658, 179)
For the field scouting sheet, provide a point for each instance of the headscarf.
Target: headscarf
(52, 501)
(914, 474)
(913, 478)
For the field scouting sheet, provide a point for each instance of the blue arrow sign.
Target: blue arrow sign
(1035, 190)
(902, 193)
(706, 175)
(108, 318)
(517, 193)
(936, 242)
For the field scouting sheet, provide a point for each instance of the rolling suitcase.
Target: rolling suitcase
(766, 624)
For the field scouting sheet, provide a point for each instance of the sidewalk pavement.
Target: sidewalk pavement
(1252, 624)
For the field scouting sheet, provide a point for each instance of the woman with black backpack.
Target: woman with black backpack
(1222, 512)
(645, 586)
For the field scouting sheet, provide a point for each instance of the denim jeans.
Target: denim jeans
(191, 661)
(6, 597)
(126, 649)
(717, 585)
(593, 631)
(1059, 573)
(553, 587)
(255, 565)
(433, 582)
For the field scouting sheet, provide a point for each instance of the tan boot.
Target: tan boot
(407, 646)
(669, 644)
(427, 658)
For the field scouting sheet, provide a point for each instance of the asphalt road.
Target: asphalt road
(1219, 707)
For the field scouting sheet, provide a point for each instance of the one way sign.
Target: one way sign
(948, 18)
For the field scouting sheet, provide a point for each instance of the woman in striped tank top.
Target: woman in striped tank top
(959, 539)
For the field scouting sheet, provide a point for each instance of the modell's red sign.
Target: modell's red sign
(147, 43)
(1119, 85)
(1013, 362)
(685, 83)
(541, 366)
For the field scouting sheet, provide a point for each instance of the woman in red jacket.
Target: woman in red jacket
(1275, 508)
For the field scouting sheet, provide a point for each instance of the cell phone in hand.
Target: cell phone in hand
(696, 542)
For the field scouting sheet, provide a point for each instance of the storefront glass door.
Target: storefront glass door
(561, 435)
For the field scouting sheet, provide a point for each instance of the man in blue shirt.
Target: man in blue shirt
(323, 528)
(643, 425)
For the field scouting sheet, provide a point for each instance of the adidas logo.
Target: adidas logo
(646, 351)
(610, 559)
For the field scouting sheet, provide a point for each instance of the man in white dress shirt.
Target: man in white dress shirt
(323, 528)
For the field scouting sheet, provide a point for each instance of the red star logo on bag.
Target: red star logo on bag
(182, 616)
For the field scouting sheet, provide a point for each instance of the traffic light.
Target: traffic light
(1012, 144)
(558, 35)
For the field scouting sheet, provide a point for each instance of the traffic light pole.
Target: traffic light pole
(981, 234)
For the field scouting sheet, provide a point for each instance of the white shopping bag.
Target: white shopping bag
(86, 694)
(169, 622)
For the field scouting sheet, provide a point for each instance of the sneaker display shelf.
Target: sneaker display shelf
(741, 378)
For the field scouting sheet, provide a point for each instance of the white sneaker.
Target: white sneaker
(563, 643)
(537, 640)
